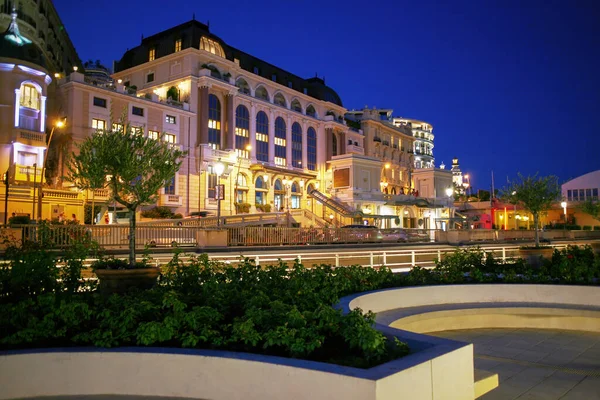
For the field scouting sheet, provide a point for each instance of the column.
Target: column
(43, 115)
(271, 137)
(329, 144)
(17, 104)
(288, 142)
(230, 142)
(203, 122)
(304, 144)
(253, 131)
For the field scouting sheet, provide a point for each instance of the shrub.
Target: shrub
(159, 212)
(587, 228)
(263, 207)
(597, 227)
(242, 208)
(19, 220)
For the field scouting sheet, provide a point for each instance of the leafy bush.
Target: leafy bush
(87, 212)
(587, 227)
(159, 212)
(242, 208)
(19, 220)
(116, 263)
(263, 207)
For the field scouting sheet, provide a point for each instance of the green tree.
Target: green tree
(535, 194)
(135, 167)
(591, 207)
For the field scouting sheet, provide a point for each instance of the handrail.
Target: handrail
(335, 205)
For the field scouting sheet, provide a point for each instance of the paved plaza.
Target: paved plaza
(536, 364)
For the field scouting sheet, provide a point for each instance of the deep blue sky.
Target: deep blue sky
(509, 86)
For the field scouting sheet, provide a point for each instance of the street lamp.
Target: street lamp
(449, 193)
(564, 206)
(237, 177)
(219, 168)
(287, 183)
(515, 210)
(6, 179)
(60, 123)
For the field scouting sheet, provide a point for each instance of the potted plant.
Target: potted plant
(118, 276)
(536, 195)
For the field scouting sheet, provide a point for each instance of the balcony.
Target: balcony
(352, 149)
(209, 154)
(61, 194)
(377, 139)
(24, 173)
(385, 143)
(31, 138)
(170, 200)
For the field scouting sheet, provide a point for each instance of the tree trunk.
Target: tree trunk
(93, 207)
(132, 237)
(535, 226)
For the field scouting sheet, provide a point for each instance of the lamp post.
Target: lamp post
(59, 124)
(6, 179)
(287, 183)
(237, 177)
(219, 168)
(515, 210)
(564, 206)
(449, 193)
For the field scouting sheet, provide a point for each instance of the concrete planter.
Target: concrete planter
(122, 280)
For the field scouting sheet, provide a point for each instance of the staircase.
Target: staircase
(335, 205)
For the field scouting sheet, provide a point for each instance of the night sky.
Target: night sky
(508, 87)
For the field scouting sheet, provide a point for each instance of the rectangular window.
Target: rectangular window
(137, 130)
(117, 127)
(153, 135)
(177, 45)
(99, 102)
(137, 111)
(274, 77)
(98, 124)
(170, 186)
(167, 137)
(575, 195)
(169, 119)
(595, 194)
(212, 183)
(581, 194)
(27, 159)
(588, 194)
(256, 70)
(280, 161)
(151, 54)
(305, 91)
(150, 77)
(289, 84)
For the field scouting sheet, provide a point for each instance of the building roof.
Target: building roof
(14, 45)
(190, 34)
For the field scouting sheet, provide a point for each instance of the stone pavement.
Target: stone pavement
(536, 364)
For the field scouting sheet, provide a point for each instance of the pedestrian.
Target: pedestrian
(73, 218)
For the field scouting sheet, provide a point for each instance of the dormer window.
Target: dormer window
(30, 97)
(177, 45)
(211, 46)
(151, 54)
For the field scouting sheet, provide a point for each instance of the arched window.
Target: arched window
(296, 106)
(393, 190)
(214, 122)
(243, 86)
(241, 193)
(310, 188)
(280, 142)
(279, 195)
(261, 93)
(262, 136)
(280, 100)
(242, 131)
(30, 97)
(295, 196)
(311, 149)
(278, 187)
(211, 46)
(296, 145)
(310, 111)
(260, 193)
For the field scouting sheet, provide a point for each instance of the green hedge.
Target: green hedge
(277, 310)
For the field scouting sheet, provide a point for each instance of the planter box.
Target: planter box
(122, 280)
(533, 256)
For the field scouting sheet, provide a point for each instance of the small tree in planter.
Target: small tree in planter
(135, 166)
(535, 194)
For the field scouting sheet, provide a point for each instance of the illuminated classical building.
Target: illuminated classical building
(423, 134)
